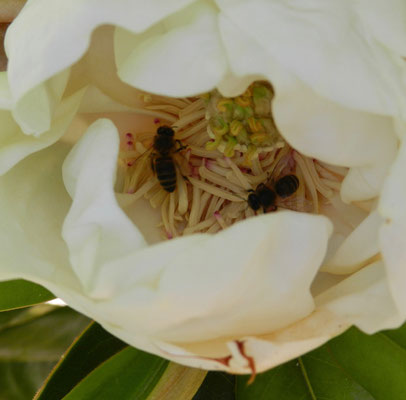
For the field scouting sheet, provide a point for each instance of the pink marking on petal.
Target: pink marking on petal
(157, 121)
(217, 215)
(131, 191)
(129, 135)
(169, 235)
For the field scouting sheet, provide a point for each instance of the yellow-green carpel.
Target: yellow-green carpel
(243, 123)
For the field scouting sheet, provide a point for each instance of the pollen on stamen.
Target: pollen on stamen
(224, 150)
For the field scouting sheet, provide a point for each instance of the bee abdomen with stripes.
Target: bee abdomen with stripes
(166, 172)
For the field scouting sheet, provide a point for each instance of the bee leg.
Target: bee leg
(181, 146)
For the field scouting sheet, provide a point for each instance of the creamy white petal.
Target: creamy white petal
(185, 289)
(198, 293)
(363, 299)
(393, 233)
(33, 205)
(327, 46)
(180, 56)
(314, 125)
(332, 133)
(96, 229)
(15, 145)
(5, 95)
(60, 40)
(386, 20)
(359, 246)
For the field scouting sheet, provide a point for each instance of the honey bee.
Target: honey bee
(162, 162)
(269, 197)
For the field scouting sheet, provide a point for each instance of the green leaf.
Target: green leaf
(41, 339)
(20, 381)
(353, 366)
(128, 375)
(21, 316)
(20, 293)
(285, 382)
(88, 351)
(217, 386)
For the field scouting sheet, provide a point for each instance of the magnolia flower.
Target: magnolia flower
(266, 289)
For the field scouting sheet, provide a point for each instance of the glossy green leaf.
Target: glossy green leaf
(21, 316)
(88, 351)
(128, 375)
(353, 366)
(20, 293)
(41, 339)
(20, 381)
(285, 382)
(217, 386)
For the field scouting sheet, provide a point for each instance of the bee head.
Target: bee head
(254, 201)
(165, 131)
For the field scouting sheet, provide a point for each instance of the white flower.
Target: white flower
(240, 299)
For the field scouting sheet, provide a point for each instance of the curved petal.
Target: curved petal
(169, 289)
(393, 233)
(338, 135)
(96, 229)
(357, 248)
(386, 21)
(5, 95)
(314, 125)
(15, 145)
(180, 56)
(60, 40)
(338, 51)
(33, 205)
(363, 300)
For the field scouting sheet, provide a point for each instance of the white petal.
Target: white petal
(198, 287)
(15, 145)
(60, 40)
(33, 205)
(325, 130)
(316, 126)
(259, 285)
(180, 56)
(362, 299)
(393, 233)
(357, 248)
(96, 229)
(387, 22)
(5, 95)
(325, 44)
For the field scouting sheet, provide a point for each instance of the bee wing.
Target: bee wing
(295, 203)
(283, 167)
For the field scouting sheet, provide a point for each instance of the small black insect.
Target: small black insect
(267, 196)
(162, 162)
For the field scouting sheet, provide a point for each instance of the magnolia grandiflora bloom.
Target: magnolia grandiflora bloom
(266, 289)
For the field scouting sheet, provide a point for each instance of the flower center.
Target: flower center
(225, 162)
(243, 123)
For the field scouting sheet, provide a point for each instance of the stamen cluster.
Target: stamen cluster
(243, 123)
